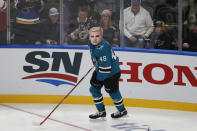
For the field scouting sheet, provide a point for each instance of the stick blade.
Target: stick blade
(36, 124)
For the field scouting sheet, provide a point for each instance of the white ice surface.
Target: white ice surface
(19, 117)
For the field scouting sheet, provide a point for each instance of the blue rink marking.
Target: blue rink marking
(133, 127)
(124, 49)
(55, 82)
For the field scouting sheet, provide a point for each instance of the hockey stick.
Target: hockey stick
(62, 99)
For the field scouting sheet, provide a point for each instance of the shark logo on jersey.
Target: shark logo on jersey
(100, 47)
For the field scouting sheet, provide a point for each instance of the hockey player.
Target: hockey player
(107, 74)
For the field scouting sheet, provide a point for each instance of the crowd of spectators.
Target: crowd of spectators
(147, 23)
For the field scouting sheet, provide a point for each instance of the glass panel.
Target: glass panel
(35, 22)
(189, 25)
(150, 24)
(3, 26)
(86, 14)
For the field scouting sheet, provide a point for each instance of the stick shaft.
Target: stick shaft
(65, 97)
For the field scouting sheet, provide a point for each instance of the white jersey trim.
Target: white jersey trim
(27, 20)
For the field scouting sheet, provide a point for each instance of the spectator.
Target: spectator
(110, 33)
(50, 29)
(112, 5)
(79, 27)
(3, 28)
(160, 38)
(71, 12)
(100, 5)
(190, 12)
(27, 28)
(138, 24)
(190, 43)
(190, 16)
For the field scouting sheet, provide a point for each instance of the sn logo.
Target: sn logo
(38, 58)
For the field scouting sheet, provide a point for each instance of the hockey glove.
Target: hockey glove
(94, 82)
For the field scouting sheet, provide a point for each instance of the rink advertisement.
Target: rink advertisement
(148, 76)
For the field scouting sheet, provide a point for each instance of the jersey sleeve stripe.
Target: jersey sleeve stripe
(104, 71)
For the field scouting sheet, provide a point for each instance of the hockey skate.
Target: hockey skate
(97, 115)
(119, 114)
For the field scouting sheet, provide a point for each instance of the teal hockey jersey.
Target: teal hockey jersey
(104, 59)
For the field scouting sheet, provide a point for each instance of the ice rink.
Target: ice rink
(19, 117)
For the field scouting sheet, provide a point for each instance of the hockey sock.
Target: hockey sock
(118, 101)
(98, 98)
